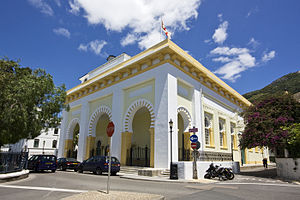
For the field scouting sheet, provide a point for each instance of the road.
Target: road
(248, 185)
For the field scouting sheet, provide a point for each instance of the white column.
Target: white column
(83, 132)
(197, 109)
(165, 109)
(117, 113)
(62, 135)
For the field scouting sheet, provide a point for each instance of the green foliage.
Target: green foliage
(289, 83)
(29, 100)
(265, 121)
(293, 142)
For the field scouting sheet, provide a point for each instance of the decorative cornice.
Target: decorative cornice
(164, 52)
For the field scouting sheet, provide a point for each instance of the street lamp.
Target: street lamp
(173, 167)
(43, 147)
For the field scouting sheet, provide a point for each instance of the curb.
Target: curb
(14, 176)
(158, 179)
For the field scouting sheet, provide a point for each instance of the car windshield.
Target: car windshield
(71, 159)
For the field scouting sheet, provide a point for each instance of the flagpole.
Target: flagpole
(161, 35)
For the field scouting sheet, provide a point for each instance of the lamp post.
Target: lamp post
(173, 167)
(43, 147)
(171, 126)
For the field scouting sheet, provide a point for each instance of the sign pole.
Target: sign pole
(194, 140)
(109, 167)
(109, 131)
(195, 176)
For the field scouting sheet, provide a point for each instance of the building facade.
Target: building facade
(46, 143)
(141, 94)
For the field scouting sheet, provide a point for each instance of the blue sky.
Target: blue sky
(248, 44)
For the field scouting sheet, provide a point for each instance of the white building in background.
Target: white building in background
(46, 143)
(141, 94)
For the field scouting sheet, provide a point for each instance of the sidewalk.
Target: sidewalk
(165, 179)
(14, 176)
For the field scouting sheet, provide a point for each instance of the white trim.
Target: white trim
(95, 116)
(187, 119)
(132, 109)
(71, 127)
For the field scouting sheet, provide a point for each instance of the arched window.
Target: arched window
(208, 129)
(222, 132)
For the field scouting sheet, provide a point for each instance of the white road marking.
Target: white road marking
(42, 188)
(266, 184)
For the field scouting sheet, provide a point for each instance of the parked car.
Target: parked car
(42, 162)
(67, 163)
(99, 164)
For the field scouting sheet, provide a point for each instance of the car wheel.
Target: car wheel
(98, 171)
(53, 170)
(75, 170)
(80, 171)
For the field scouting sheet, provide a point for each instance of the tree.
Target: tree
(266, 121)
(29, 102)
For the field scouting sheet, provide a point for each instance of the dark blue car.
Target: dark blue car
(99, 164)
(42, 162)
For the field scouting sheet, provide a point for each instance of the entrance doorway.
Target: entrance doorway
(139, 152)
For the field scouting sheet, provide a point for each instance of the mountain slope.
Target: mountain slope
(289, 83)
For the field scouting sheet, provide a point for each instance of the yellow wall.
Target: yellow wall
(140, 126)
(101, 130)
(106, 100)
(149, 96)
(70, 116)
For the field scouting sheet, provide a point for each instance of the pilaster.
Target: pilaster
(83, 132)
(63, 133)
(125, 145)
(151, 130)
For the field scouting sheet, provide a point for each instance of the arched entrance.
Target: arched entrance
(102, 141)
(139, 152)
(184, 144)
(138, 135)
(97, 141)
(71, 142)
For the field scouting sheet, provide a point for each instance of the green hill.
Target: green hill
(289, 83)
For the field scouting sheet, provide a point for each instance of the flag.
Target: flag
(168, 34)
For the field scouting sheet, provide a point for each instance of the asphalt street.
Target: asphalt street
(261, 184)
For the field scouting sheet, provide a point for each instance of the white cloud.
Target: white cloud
(222, 59)
(220, 16)
(75, 7)
(43, 6)
(95, 46)
(268, 56)
(237, 60)
(252, 11)
(252, 42)
(129, 39)
(62, 31)
(229, 51)
(140, 17)
(220, 34)
(58, 3)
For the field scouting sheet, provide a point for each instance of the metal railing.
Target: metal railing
(13, 161)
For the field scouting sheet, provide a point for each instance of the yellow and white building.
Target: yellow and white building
(140, 94)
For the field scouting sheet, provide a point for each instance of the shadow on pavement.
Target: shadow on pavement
(261, 173)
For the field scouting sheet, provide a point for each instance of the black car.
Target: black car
(42, 162)
(99, 164)
(67, 163)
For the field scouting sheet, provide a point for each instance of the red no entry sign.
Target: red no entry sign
(194, 145)
(110, 129)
